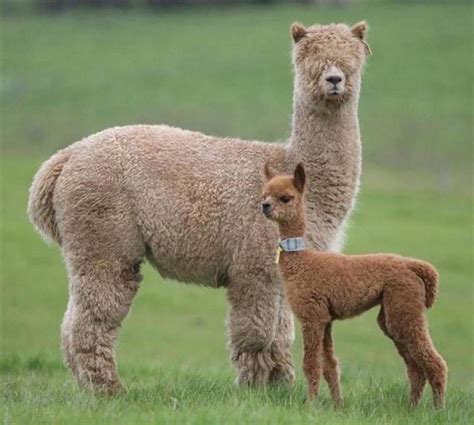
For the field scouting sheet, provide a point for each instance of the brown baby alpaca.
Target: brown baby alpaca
(322, 287)
(188, 203)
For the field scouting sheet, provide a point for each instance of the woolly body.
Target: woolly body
(322, 287)
(188, 203)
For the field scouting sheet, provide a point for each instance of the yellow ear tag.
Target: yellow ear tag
(277, 257)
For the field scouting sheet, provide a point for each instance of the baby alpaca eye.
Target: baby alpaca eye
(285, 199)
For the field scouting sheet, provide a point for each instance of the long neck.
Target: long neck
(328, 142)
(316, 130)
(293, 228)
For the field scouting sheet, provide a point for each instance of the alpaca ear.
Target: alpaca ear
(298, 31)
(359, 31)
(299, 177)
(267, 171)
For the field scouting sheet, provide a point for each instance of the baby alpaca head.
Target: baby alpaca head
(328, 61)
(283, 196)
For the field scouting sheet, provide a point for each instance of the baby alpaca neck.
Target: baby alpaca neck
(294, 228)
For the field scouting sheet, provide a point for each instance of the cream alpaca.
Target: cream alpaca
(322, 287)
(188, 202)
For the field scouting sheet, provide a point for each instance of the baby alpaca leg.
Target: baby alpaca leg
(415, 374)
(331, 367)
(101, 295)
(313, 335)
(406, 323)
(422, 350)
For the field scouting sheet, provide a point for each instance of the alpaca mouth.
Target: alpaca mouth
(334, 95)
(268, 214)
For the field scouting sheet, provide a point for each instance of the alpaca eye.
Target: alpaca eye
(285, 199)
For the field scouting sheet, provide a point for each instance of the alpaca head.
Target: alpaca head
(283, 196)
(328, 61)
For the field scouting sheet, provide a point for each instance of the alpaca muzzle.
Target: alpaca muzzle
(267, 208)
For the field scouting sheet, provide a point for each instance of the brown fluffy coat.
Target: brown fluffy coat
(188, 203)
(322, 287)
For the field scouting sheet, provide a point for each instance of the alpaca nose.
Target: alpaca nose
(266, 207)
(334, 79)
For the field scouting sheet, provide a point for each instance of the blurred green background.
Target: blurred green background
(226, 71)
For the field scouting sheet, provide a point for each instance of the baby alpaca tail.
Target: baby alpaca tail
(40, 203)
(428, 274)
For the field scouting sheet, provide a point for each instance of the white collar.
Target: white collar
(292, 244)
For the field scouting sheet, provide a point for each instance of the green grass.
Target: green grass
(228, 73)
(172, 348)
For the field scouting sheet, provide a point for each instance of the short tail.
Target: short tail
(40, 203)
(428, 274)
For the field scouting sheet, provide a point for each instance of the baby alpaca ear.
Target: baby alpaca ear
(359, 31)
(267, 172)
(299, 177)
(298, 31)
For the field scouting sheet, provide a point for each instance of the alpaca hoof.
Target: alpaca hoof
(255, 380)
(310, 398)
(282, 375)
(254, 368)
(114, 389)
(106, 389)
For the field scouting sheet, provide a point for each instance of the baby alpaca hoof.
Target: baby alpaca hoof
(310, 398)
(439, 404)
(414, 402)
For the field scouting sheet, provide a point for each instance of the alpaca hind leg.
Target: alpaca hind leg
(331, 367)
(103, 248)
(415, 374)
(101, 298)
(406, 323)
(424, 353)
(66, 343)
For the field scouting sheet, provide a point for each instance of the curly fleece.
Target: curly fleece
(189, 203)
(322, 287)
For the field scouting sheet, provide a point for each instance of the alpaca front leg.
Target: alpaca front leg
(331, 367)
(283, 372)
(313, 334)
(252, 323)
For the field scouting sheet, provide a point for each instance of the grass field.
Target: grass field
(228, 73)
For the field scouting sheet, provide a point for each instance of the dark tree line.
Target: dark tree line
(59, 5)
(64, 4)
